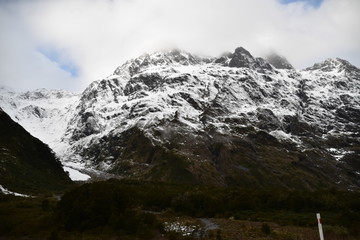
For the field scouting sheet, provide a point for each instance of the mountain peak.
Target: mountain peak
(334, 65)
(241, 50)
(326, 66)
(176, 56)
(241, 58)
(279, 62)
(159, 58)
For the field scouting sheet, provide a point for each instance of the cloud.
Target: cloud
(22, 66)
(95, 36)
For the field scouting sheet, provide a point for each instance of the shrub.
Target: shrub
(265, 229)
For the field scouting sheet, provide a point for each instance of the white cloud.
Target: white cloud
(22, 66)
(99, 35)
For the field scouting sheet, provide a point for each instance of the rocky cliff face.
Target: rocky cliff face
(233, 120)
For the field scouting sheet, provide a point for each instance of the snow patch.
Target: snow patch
(76, 175)
(5, 191)
(282, 136)
(183, 229)
(338, 154)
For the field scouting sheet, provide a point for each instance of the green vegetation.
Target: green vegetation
(137, 210)
(21, 217)
(27, 165)
(265, 228)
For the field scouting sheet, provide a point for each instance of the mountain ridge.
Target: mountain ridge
(239, 110)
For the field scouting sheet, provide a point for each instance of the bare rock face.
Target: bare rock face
(234, 120)
(241, 58)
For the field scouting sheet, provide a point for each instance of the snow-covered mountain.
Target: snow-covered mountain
(233, 120)
(44, 113)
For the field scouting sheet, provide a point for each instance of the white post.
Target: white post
(320, 226)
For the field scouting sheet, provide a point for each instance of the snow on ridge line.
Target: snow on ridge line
(7, 192)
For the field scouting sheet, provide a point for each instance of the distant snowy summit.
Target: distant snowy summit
(229, 120)
(279, 62)
(336, 65)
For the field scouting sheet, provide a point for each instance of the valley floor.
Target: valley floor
(25, 219)
(118, 209)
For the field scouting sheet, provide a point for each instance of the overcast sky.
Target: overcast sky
(67, 44)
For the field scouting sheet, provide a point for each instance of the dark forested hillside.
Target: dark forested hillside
(27, 165)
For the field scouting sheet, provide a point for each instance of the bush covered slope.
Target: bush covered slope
(27, 165)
